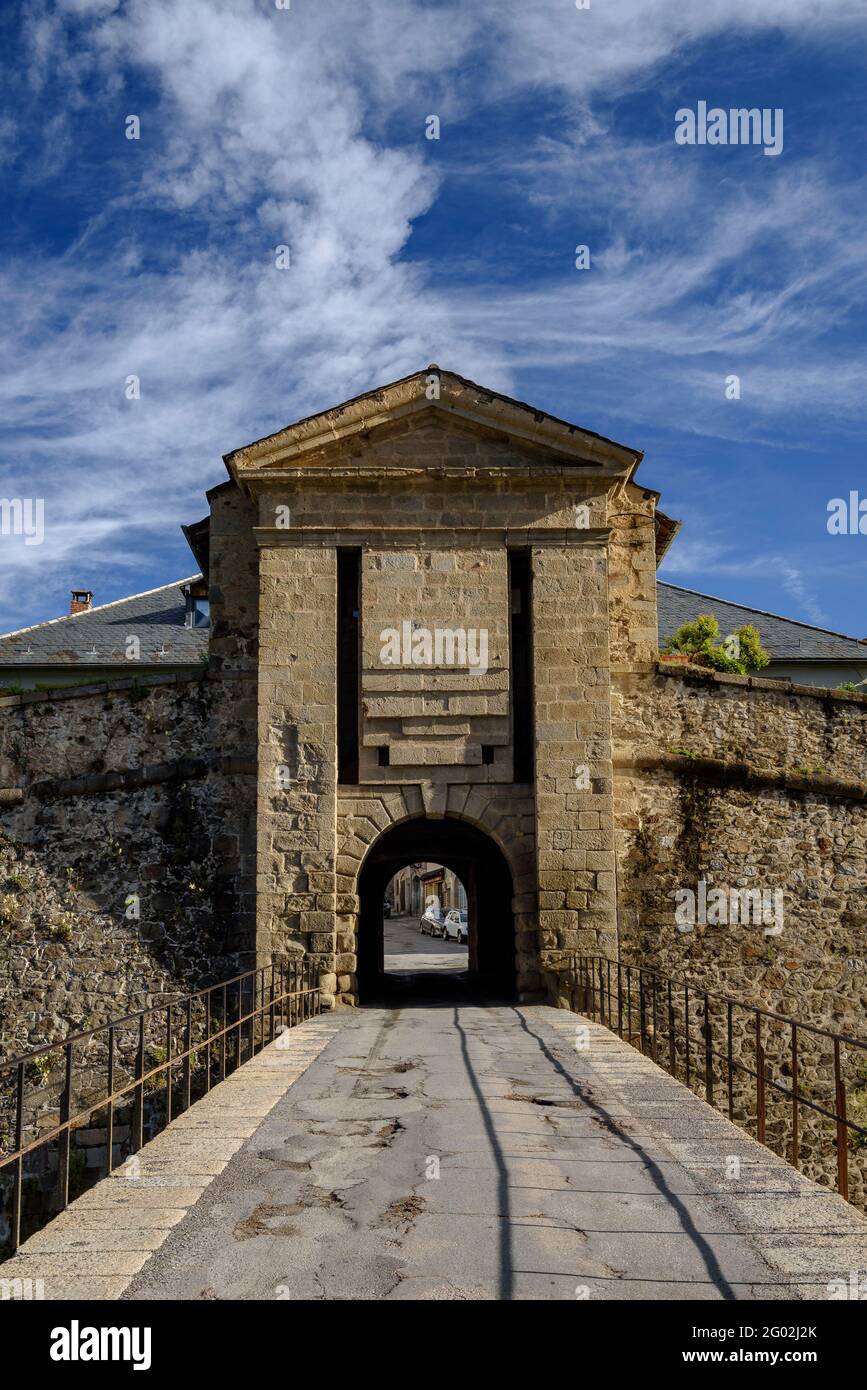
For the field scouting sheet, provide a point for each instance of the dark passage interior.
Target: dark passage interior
(483, 870)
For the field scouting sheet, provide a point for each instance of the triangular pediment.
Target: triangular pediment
(425, 403)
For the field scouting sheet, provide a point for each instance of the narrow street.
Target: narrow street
(409, 950)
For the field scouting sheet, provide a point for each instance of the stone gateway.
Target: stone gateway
(433, 637)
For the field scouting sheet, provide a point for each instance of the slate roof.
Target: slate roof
(783, 639)
(157, 618)
(97, 637)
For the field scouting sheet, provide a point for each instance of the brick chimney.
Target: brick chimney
(82, 601)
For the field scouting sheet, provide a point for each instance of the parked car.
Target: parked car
(386, 908)
(432, 922)
(456, 926)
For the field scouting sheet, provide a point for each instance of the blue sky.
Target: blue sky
(306, 127)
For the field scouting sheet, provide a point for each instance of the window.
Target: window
(198, 608)
(198, 612)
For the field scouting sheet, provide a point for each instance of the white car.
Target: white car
(456, 926)
(433, 922)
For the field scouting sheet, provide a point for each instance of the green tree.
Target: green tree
(699, 640)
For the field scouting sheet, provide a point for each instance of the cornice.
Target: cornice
(438, 538)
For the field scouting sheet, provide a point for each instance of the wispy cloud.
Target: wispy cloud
(305, 127)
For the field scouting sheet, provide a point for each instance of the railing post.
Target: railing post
(730, 1047)
(110, 1085)
(629, 1004)
(169, 1045)
(686, 1028)
(653, 1046)
(65, 1137)
(760, 1081)
(188, 1060)
(708, 1052)
(619, 1000)
(137, 1136)
(642, 1010)
(208, 1053)
(18, 1176)
(224, 1034)
(672, 1050)
(796, 1138)
(842, 1127)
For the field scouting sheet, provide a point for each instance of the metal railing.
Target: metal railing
(661, 1016)
(204, 1037)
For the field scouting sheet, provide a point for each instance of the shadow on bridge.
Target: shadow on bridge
(687, 1225)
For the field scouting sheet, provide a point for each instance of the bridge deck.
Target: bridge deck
(561, 1173)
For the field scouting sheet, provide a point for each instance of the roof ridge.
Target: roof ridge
(99, 608)
(762, 612)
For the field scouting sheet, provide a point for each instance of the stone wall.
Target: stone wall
(575, 838)
(126, 816)
(297, 773)
(634, 635)
(742, 784)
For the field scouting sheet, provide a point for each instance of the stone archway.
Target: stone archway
(485, 874)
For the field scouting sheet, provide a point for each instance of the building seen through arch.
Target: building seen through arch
(415, 886)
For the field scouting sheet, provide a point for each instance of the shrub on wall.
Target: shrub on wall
(740, 652)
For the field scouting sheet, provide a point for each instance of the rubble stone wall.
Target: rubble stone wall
(125, 811)
(741, 784)
(746, 785)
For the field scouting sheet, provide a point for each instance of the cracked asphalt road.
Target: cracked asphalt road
(469, 1152)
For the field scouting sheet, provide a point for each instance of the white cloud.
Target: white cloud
(614, 44)
(306, 127)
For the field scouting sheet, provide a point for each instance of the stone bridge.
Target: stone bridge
(450, 1151)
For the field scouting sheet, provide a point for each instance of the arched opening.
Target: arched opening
(482, 869)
